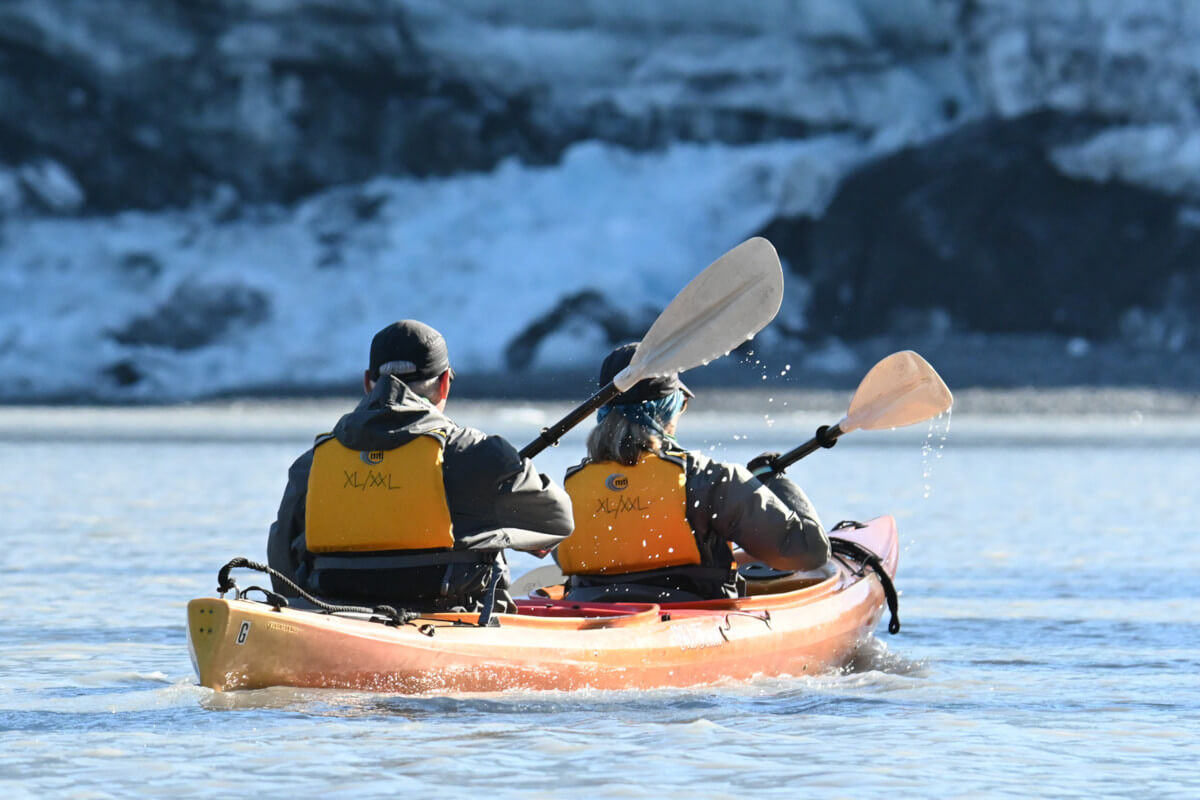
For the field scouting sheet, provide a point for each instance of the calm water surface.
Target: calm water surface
(1051, 643)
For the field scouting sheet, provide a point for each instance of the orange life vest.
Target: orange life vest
(628, 518)
(378, 499)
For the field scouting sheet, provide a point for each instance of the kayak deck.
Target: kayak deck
(548, 644)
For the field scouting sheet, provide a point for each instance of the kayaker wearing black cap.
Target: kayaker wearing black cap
(399, 505)
(654, 522)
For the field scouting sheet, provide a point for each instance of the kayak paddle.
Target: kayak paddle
(536, 578)
(902, 389)
(723, 306)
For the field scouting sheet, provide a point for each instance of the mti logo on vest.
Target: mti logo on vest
(371, 458)
(616, 482)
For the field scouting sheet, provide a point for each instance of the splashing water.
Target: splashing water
(931, 449)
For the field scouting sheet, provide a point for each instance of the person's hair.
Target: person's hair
(423, 387)
(427, 388)
(618, 438)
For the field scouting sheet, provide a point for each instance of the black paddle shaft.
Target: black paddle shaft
(827, 436)
(551, 435)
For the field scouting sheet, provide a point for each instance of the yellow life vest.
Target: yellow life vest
(628, 518)
(374, 500)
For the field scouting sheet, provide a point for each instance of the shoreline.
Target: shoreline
(1038, 374)
(974, 401)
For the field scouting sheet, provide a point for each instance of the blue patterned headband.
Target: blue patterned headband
(652, 414)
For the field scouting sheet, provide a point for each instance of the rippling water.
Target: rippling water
(1051, 647)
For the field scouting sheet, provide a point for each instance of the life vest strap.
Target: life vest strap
(400, 560)
(694, 572)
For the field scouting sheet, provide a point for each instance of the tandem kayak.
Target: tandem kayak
(790, 624)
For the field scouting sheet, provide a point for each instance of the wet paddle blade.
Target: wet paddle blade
(902, 389)
(547, 575)
(723, 306)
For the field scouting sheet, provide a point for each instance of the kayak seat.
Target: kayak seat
(631, 593)
(763, 579)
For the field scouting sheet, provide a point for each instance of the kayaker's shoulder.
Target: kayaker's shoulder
(485, 450)
(697, 462)
(708, 471)
(303, 463)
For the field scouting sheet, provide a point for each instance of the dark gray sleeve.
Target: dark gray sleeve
(285, 542)
(795, 499)
(744, 511)
(497, 499)
(535, 509)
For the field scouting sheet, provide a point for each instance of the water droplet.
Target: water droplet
(939, 429)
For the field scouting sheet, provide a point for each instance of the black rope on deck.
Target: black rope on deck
(227, 584)
(868, 558)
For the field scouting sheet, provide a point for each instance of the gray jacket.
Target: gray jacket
(773, 521)
(496, 498)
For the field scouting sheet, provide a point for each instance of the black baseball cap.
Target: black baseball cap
(646, 389)
(414, 350)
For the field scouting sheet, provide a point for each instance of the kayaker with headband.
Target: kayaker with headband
(400, 505)
(655, 522)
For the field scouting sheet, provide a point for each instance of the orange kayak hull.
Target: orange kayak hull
(240, 644)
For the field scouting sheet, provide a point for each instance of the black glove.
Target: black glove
(766, 464)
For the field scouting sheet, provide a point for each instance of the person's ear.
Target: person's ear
(368, 384)
(444, 385)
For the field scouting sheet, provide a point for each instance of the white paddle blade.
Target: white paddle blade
(902, 389)
(548, 575)
(723, 306)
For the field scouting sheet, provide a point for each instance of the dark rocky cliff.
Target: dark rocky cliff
(178, 178)
(980, 225)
